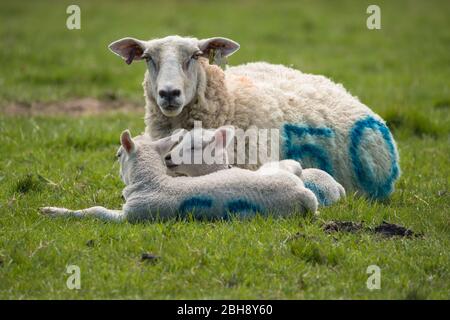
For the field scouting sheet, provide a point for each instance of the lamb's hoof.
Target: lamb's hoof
(45, 210)
(51, 211)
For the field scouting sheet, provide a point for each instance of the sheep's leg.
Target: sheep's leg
(98, 212)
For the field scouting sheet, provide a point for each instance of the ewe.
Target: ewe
(151, 193)
(321, 124)
(207, 144)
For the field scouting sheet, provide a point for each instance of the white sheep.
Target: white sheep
(151, 193)
(204, 142)
(321, 124)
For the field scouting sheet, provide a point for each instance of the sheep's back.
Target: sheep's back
(321, 125)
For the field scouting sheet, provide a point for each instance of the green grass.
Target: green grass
(401, 71)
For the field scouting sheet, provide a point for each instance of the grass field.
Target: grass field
(401, 71)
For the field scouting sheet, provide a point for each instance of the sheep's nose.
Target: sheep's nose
(169, 94)
(168, 157)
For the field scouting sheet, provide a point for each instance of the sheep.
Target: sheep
(203, 141)
(321, 124)
(151, 193)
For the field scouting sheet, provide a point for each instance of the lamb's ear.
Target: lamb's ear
(164, 145)
(128, 48)
(226, 46)
(223, 136)
(127, 142)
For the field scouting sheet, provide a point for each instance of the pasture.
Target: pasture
(52, 157)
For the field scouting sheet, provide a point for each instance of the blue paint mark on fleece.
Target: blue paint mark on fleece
(305, 130)
(196, 203)
(303, 151)
(241, 208)
(372, 185)
(318, 154)
(320, 194)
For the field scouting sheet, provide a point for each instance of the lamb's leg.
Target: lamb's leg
(98, 212)
(291, 166)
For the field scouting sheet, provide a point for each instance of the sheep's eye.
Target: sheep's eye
(196, 55)
(148, 59)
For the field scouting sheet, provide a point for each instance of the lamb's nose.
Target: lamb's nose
(168, 157)
(169, 94)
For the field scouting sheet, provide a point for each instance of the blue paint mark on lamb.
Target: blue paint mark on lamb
(320, 194)
(241, 207)
(195, 204)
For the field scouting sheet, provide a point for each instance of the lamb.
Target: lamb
(180, 161)
(327, 190)
(320, 123)
(151, 193)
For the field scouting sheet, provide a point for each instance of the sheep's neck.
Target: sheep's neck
(212, 102)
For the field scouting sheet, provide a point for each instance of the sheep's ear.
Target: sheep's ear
(128, 48)
(127, 142)
(164, 145)
(226, 46)
(223, 136)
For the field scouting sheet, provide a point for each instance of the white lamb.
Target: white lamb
(203, 142)
(151, 193)
(321, 124)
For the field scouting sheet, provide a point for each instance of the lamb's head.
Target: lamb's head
(200, 152)
(173, 66)
(140, 155)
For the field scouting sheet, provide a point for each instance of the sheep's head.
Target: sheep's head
(200, 152)
(173, 66)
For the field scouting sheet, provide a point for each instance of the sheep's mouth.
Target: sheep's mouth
(171, 107)
(171, 110)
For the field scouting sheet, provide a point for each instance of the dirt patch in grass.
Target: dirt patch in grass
(392, 230)
(73, 107)
(149, 257)
(385, 229)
